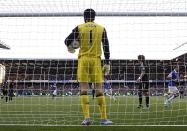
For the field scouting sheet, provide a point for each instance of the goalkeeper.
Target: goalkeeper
(92, 38)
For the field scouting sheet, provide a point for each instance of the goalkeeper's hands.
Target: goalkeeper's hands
(71, 49)
(106, 69)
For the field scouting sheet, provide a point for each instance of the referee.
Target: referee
(143, 81)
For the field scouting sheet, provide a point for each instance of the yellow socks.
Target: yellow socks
(85, 105)
(102, 106)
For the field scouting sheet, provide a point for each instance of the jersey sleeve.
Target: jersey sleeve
(72, 36)
(106, 46)
(170, 75)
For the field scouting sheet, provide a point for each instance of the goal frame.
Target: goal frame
(103, 14)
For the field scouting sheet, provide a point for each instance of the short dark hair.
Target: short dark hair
(141, 57)
(89, 15)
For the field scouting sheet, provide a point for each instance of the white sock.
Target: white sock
(166, 101)
(108, 94)
(114, 98)
(172, 97)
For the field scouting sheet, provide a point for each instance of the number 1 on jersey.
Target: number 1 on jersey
(90, 39)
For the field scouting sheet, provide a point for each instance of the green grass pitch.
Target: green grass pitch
(37, 111)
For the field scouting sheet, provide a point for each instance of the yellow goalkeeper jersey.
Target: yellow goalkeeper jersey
(90, 37)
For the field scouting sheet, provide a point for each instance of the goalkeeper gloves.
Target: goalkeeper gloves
(106, 69)
(71, 49)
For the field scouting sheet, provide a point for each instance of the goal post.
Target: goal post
(2, 73)
(99, 14)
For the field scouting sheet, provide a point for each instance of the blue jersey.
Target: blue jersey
(173, 75)
(107, 85)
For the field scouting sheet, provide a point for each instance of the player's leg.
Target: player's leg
(174, 92)
(107, 93)
(166, 96)
(114, 98)
(93, 93)
(112, 95)
(9, 97)
(174, 95)
(6, 98)
(85, 102)
(146, 94)
(55, 93)
(181, 94)
(53, 96)
(167, 103)
(101, 100)
(102, 104)
(140, 95)
(83, 78)
(2, 95)
(97, 78)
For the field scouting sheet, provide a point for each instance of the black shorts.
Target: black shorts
(144, 86)
(181, 92)
(11, 95)
(93, 91)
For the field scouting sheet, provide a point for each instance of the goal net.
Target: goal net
(38, 62)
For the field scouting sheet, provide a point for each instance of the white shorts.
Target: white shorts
(55, 92)
(108, 91)
(173, 89)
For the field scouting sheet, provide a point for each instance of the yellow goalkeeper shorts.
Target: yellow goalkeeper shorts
(89, 70)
